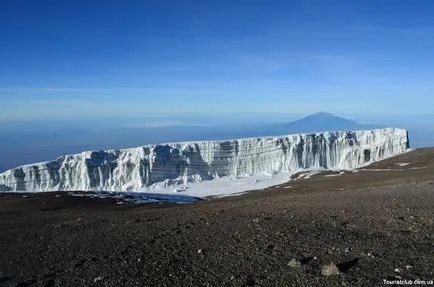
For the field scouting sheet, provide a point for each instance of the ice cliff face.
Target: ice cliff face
(137, 168)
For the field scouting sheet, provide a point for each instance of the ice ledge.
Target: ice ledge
(165, 165)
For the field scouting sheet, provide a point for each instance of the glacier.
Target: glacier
(171, 164)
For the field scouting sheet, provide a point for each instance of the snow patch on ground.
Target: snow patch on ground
(375, 169)
(229, 195)
(225, 186)
(336, 174)
(402, 164)
(217, 188)
(307, 175)
(312, 173)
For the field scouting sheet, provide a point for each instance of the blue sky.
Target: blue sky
(74, 59)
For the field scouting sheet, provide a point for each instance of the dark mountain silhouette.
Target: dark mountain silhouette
(318, 122)
(322, 121)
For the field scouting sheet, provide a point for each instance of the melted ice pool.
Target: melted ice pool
(138, 197)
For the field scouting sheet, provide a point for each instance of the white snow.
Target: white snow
(312, 173)
(307, 175)
(402, 164)
(300, 176)
(226, 185)
(208, 168)
(336, 174)
(376, 169)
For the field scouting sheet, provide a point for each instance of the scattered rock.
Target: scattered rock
(330, 270)
(408, 267)
(97, 279)
(397, 270)
(256, 220)
(294, 263)
(200, 251)
(347, 250)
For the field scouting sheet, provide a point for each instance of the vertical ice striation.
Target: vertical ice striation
(138, 168)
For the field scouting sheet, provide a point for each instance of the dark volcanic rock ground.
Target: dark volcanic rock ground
(374, 225)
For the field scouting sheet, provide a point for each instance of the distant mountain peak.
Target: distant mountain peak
(322, 121)
(325, 116)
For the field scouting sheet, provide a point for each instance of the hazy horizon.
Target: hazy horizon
(34, 141)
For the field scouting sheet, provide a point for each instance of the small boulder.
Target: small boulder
(294, 263)
(97, 279)
(330, 270)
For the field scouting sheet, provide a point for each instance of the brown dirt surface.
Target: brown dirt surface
(375, 224)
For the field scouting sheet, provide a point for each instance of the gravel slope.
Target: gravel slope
(375, 224)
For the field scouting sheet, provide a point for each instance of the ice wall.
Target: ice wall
(137, 168)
